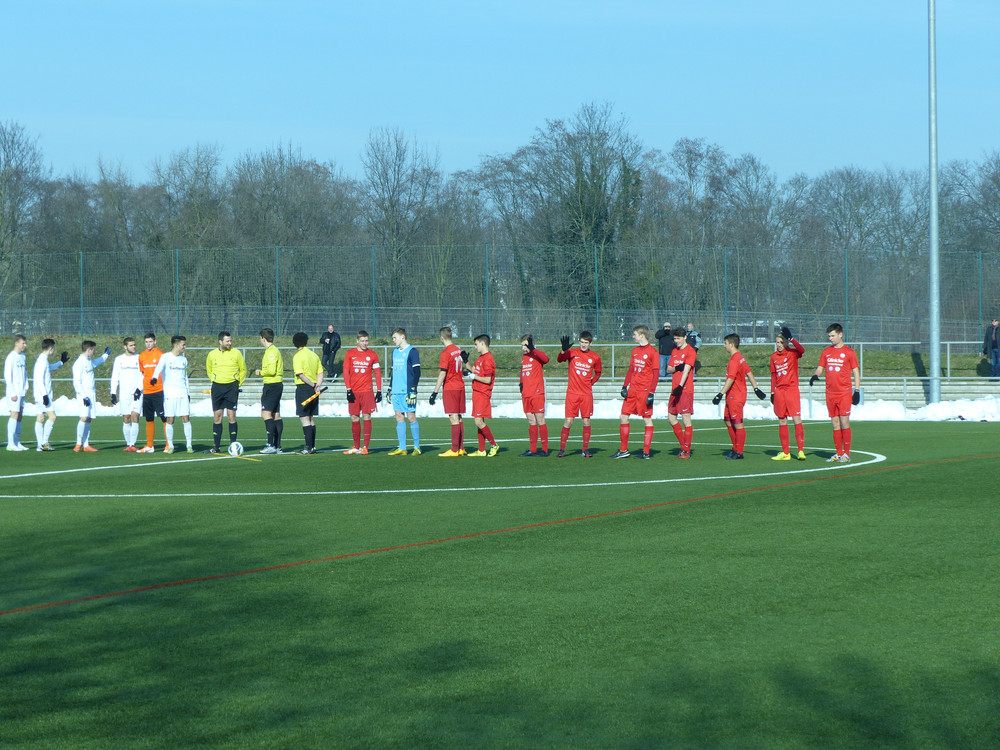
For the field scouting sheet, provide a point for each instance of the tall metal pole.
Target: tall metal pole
(597, 297)
(487, 288)
(935, 261)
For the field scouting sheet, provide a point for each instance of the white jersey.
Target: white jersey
(174, 369)
(83, 375)
(15, 375)
(41, 377)
(126, 376)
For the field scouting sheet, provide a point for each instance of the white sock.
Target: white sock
(134, 435)
(17, 431)
(80, 426)
(127, 432)
(86, 433)
(40, 433)
(49, 424)
(187, 433)
(11, 432)
(168, 430)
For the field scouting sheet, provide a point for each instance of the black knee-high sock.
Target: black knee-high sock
(232, 432)
(310, 435)
(269, 428)
(279, 425)
(217, 433)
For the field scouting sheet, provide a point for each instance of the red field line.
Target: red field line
(475, 534)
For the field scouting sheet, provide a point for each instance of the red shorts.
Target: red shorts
(579, 404)
(839, 404)
(453, 401)
(683, 404)
(787, 403)
(481, 406)
(364, 403)
(534, 403)
(733, 411)
(635, 403)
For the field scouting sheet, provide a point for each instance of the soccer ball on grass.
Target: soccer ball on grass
(235, 449)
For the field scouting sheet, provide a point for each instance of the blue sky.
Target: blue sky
(804, 86)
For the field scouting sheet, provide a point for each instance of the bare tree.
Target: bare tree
(21, 176)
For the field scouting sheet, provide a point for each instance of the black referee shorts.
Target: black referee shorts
(302, 392)
(270, 397)
(224, 395)
(152, 406)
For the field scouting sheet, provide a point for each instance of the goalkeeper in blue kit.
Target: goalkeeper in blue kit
(403, 391)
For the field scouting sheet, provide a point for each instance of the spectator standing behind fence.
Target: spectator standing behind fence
(330, 342)
(666, 346)
(991, 342)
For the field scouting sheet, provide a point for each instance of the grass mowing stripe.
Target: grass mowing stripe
(492, 532)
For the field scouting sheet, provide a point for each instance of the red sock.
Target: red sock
(688, 435)
(356, 433)
(679, 432)
(741, 440)
(543, 433)
(482, 440)
(368, 432)
(623, 431)
(846, 433)
(838, 442)
(461, 435)
(647, 438)
(488, 434)
(563, 437)
(800, 436)
(586, 436)
(533, 438)
(456, 437)
(783, 437)
(732, 434)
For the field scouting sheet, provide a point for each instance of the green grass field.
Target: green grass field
(335, 601)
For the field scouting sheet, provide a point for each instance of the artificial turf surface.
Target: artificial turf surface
(399, 602)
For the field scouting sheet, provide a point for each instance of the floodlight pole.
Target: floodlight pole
(935, 261)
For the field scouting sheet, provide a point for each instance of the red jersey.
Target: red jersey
(644, 368)
(532, 380)
(359, 366)
(686, 354)
(785, 366)
(148, 359)
(485, 367)
(838, 363)
(451, 362)
(737, 369)
(584, 370)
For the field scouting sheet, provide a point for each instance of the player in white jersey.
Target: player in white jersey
(15, 377)
(42, 386)
(86, 392)
(126, 391)
(173, 368)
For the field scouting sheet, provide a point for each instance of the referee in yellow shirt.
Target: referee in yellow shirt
(308, 381)
(227, 370)
(272, 369)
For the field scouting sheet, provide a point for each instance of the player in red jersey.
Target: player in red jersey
(785, 392)
(734, 390)
(360, 364)
(584, 371)
(483, 375)
(842, 368)
(533, 396)
(451, 386)
(640, 385)
(681, 368)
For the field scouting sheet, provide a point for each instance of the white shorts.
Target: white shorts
(13, 406)
(87, 411)
(41, 404)
(129, 405)
(176, 407)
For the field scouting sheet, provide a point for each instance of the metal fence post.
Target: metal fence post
(597, 299)
(81, 291)
(277, 293)
(487, 287)
(177, 289)
(373, 290)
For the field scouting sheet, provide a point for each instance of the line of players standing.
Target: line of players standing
(155, 384)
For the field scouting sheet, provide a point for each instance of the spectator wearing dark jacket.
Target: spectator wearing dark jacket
(330, 342)
(991, 347)
(666, 340)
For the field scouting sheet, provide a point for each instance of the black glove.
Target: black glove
(565, 343)
(530, 343)
(624, 391)
(772, 398)
(760, 394)
(411, 398)
(520, 387)
(350, 396)
(717, 398)
(64, 357)
(856, 398)
(153, 381)
(433, 398)
(813, 380)
(45, 400)
(786, 332)
(676, 392)
(378, 397)
(114, 399)
(137, 394)
(649, 399)
(465, 355)
(86, 401)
